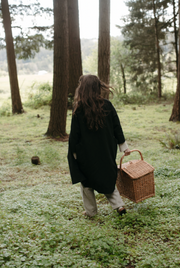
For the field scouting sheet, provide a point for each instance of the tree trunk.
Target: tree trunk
(123, 77)
(57, 123)
(15, 95)
(75, 62)
(175, 36)
(158, 52)
(175, 116)
(104, 41)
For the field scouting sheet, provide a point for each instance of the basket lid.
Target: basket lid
(137, 168)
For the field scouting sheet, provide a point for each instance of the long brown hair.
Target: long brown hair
(88, 97)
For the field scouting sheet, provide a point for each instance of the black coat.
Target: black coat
(96, 151)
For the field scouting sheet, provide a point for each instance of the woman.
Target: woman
(95, 133)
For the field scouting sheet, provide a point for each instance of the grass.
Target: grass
(41, 224)
(24, 85)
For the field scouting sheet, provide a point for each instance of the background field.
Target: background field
(25, 83)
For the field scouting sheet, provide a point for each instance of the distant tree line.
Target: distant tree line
(150, 32)
(43, 60)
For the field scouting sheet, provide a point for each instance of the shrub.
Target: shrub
(40, 95)
(131, 98)
(172, 141)
(139, 98)
(45, 87)
(5, 109)
(168, 95)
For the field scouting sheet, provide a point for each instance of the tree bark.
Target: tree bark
(175, 36)
(158, 52)
(75, 62)
(15, 94)
(175, 116)
(104, 41)
(123, 77)
(57, 123)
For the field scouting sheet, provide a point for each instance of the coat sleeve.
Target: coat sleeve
(75, 133)
(123, 146)
(74, 138)
(118, 132)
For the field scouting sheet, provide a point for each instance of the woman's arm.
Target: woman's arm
(123, 147)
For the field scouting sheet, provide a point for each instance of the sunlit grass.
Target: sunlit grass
(25, 83)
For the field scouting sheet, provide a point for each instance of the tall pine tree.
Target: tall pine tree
(75, 62)
(104, 41)
(57, 123)
(15, 94)
(175, 116)
(143, 31)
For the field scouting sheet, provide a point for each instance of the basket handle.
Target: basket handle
(135, 150)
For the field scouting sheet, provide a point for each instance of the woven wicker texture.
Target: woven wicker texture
(136, 190)
(137, 168)
(135, 180)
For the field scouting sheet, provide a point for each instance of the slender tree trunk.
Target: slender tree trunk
(57, 124)
(75, 62)
(175, 116)
(104, 41)
(15, 95)
(175, 36)
(158, 52)
(123, 77)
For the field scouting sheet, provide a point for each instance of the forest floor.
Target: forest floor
(41, 221)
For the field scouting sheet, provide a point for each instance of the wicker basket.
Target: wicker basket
(135, 179)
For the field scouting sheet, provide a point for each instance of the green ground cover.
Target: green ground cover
(41, 221)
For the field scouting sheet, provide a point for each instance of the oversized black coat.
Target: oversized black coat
(96, 151)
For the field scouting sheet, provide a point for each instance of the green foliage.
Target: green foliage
(168, 95)
(45, 87)
(138, 98)
(53, 234)
(27, 47)
(26, 44)
(90, 62)
(40, 95)
(134, 98)
(167, 172)
(139, 35)
(119, 65)
(5, 109)
(41, 211)
(172, 140)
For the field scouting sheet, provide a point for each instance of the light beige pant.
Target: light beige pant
(89, 200)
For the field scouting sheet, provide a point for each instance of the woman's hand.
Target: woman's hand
(127, 152)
